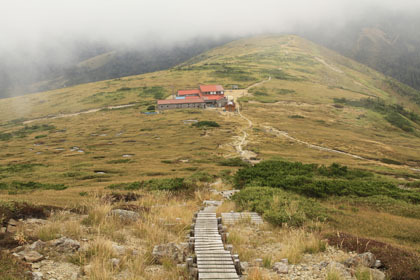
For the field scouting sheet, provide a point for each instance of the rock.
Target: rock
(126, 215)
(367, 259)
(3, 229)
(169, 250)
(281, 268)
(37, 245)
(340, 268)
(115, 262)
(285, 261)
(36, 221)
(182, 266)
(65, 244)
(119, 249)
(13, 222)
(257, 263)
(244, 266)
(85, 270)
(37, 275)
(378, 264)
(31, 256)
(377, 274)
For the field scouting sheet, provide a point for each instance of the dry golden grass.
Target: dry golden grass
(283, 242)
(258, 274)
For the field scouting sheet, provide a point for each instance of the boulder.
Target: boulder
(119, 249)
(244, 266)
(366, 259)
(126, 215)
(37, 275)
(31, 256)
(115, 262)
(257, 262)
(37, 246)
(281, 268)
(65, 244)
(377, 274)
(168, 251)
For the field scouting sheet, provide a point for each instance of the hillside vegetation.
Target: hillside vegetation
(338, 147)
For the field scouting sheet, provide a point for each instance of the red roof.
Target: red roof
(213, 97)
(207, 88)
(180, 101)
(188, 92)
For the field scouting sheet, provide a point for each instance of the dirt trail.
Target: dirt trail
(242, 140)
(59, 116)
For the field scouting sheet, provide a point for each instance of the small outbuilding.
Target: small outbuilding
(230, 106)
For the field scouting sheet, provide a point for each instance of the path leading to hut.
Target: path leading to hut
(59, 116)
(241, 141)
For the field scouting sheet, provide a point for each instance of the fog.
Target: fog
(33, 24)
(51, 33)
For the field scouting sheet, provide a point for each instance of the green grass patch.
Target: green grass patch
(395, 114)
(29, 186)
(316, 181)
(280, 207)
(118, 161)
(202, 124)
(166, 184)
(237, 161)
(156, 92)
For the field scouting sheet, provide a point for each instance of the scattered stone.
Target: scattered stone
(85, 270)
(37, 246)
(115, 262)
(366, 259)
(377, 274)
(31, 256)
(182, 266)
(257, 263)
(119, 249)
(126, 215)
(13, 222)
(65, 244)
(169, 250)
(281, 268)
(37, 275)
(244, 266)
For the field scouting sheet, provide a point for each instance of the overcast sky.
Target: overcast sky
(32, 24)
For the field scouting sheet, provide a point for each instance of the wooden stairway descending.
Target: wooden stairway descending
(213, 261)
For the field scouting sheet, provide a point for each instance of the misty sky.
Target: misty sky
(32, 24)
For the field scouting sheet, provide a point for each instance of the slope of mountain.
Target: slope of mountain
(384, 40)
(89, 62)
(298, 102)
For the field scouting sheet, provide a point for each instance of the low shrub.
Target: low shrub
(167, 184)
(206, 124)
(17, 185)
(237, 161)
(280, 207)
(319, 181)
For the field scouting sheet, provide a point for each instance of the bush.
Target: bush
(171, 184)
(5, 136)
(206, 124)
(16, 185)
(319, 182)
(237, 161)
(280, 207)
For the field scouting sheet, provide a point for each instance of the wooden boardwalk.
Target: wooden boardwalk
(234, 217)
(213, 261)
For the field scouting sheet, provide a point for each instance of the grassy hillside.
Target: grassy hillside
(313, 106)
